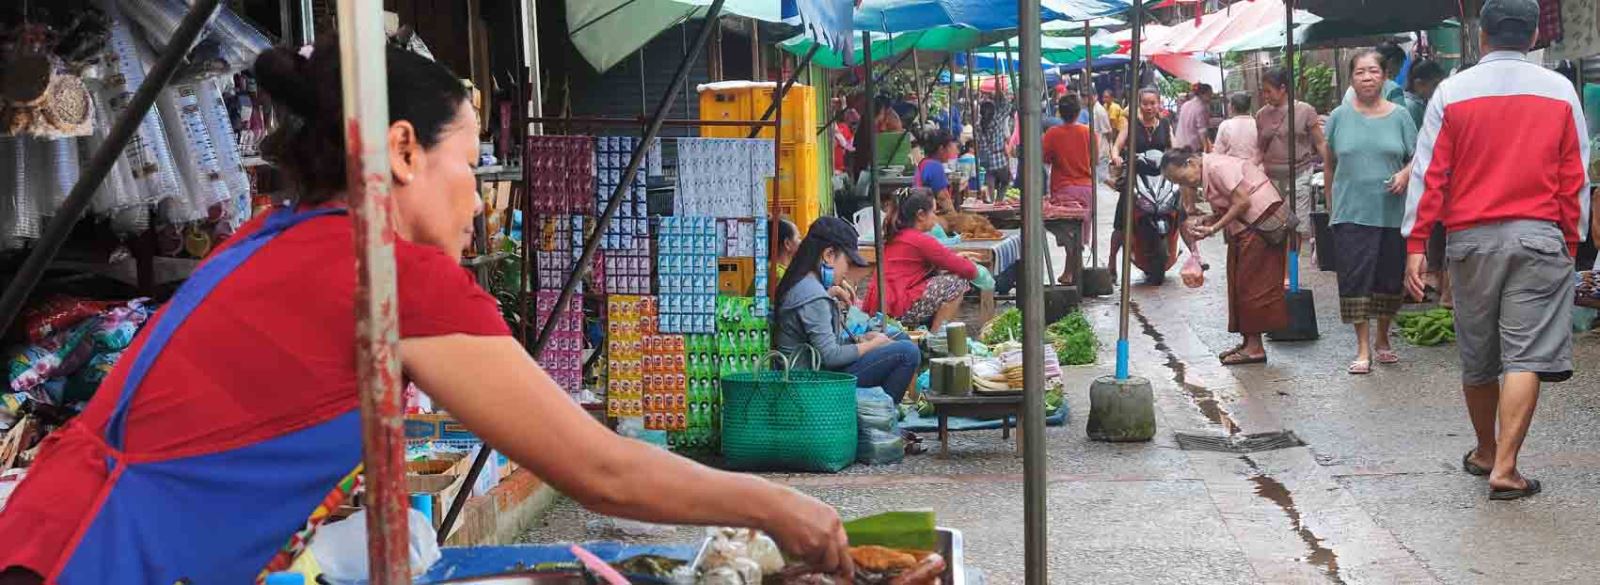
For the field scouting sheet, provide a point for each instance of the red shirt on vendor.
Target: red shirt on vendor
(1066, 150)
(912, 259)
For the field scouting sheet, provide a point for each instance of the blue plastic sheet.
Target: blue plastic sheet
(909, 15)
(917, 423)
(477, 561)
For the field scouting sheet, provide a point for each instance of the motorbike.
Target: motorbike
(1154, 241)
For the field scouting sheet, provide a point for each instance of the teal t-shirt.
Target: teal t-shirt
(1369, 151)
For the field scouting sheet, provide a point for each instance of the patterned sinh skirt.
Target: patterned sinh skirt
(1255, 285)
(941, 290)
(1371, 263)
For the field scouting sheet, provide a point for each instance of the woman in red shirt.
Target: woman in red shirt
(1068, 152)
(925, 279)
(234, 415)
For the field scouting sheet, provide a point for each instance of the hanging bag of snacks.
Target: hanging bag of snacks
(793, 420)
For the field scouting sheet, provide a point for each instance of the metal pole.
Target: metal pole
(535, 78)
(1127, 205)
(869, 127)
(364, 66)
(783, 89)
(1035, 513)
(308, 25)
(916, 74)
(592, 242)
(1294, 171)
(1094, 150)
(67, 215)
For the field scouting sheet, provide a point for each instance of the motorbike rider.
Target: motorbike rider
(1155, 133)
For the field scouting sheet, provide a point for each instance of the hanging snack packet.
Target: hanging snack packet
(58, 314)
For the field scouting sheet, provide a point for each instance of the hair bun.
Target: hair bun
(283, 73)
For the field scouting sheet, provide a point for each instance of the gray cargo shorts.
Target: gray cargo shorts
(1513, 293)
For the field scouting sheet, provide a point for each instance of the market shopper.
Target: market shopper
(1194, 121)
(1237, 136)
(925, 280)
(235, 414)
(788, 243)
(1154, 133)
(844, 139)
(1118, 114)
(1421, 83)
(1370, 141)
(1393, 62)
(1501, 160)
(1067, 155)
(1290, 178)
(933, 173)
(994, 154)
(807, 315)
(1248, 210)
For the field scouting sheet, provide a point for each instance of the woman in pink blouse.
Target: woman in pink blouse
(1236, 136)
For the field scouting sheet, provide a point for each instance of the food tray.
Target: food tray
(951, 546)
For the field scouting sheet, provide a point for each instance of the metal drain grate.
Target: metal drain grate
(1251, 443)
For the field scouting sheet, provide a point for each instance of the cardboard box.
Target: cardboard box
(736, 276)
(440, 487)
(436, 427)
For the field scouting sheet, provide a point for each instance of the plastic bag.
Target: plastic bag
(58, 314)
(57, 357)
(341, 548)
(985, 280)
(1193, 273)
(878, 439)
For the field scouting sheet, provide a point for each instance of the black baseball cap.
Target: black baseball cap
(840, 235)
(1510, 22)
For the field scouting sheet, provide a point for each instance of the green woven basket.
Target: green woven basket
(793, 420)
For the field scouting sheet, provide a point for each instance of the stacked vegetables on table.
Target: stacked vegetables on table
(1072, 337)
(1429, 327)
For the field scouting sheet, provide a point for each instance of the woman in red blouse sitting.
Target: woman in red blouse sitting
(925, 279)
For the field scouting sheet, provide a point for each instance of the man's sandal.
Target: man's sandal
(1530, 487)
(1360, 367)
(1472, 468)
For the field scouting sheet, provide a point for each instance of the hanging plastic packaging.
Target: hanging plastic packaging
(227, 46)
(21, 215)
(215, 112)
(64, 167)
(147, 154)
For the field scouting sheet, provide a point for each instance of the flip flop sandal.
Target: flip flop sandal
(1236, 349)
(1360, 367)
(1530, 489)
(1388, 357)
(916, 449)
(1238, 358)
(1472, 468)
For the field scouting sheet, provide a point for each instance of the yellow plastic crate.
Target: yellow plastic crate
(749, 103)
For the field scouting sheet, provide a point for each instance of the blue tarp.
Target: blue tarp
(824, 21)
(1101, 64)
(992, 62)
(909, 15)
(478, 561)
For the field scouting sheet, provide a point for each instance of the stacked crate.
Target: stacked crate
(799, 192)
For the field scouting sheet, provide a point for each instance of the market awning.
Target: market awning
(1321, 35)
(1055, 49)
(1099, 64)
(1189, 69)
(1217, 31)
(607, 31)
(909, 15)
(1396, 14)
(944, 39)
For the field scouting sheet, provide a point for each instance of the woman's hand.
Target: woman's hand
(874, 340)
(1400, 180)
(1203, 231)
(810, 531)
(843, 295)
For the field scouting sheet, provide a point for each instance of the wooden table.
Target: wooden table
(1001, 406)
(1068, 232)
(984, 252)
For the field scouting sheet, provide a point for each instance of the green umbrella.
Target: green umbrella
(608, 31)
(1055, 49)
(943, 39)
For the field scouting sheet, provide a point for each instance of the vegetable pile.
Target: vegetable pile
(1072, 336)
(1428, 328)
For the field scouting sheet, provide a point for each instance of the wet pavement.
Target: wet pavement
(1374, 496)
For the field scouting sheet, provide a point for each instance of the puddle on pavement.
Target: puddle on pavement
(1274, 491)
(1203, 398)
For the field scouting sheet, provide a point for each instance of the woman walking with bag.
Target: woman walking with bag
(1248, 210)
(1370, 141)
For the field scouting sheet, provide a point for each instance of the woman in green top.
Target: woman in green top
(1370, 143)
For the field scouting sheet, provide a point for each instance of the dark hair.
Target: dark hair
(1202, 89)
(1391, 56)
(1068, 108)
(1239, 102)
(985, 111)
(1425, 70)
(935, 141)
(910, 204)
(1277, 77)
(1178, 157)
(309, 147)
(1150, 91)
(786, 230)
(1350, 66)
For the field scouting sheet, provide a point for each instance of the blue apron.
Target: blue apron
(217, 517)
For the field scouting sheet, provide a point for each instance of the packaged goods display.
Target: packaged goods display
(562, 357)
(723, 177)
(560, 173)
(557, 241)
(666, 385)
(704, 396)
(687, 253)
(629, 319)
(742, 340)
(631, 226)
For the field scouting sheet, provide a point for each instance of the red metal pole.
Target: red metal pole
(363, 64)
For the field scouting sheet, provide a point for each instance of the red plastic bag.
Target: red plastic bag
(1193, 273)
(59, 314)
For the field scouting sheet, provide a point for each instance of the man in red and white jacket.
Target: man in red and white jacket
(1501, 161)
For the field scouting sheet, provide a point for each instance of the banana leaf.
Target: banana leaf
(908, 530)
